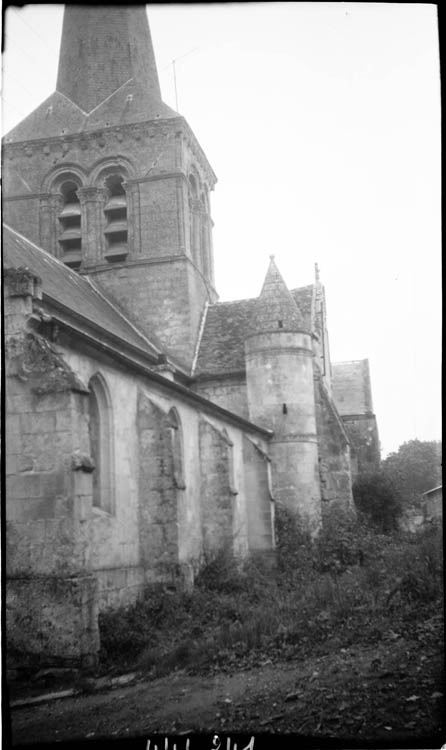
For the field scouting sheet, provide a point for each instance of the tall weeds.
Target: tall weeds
(348, 586)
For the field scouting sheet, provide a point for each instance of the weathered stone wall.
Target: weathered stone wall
(48, 491)
(144, 485)
(217, 516)
(352, 393)
(230, 393)
(162, 298)
(362, 432)
(279, 374)
(351, 387)
(158, 506)
(334, 453)
(156, 527)
(259, 501)
(53, 619)
(321, 345)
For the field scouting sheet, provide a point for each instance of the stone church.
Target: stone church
(148, 424)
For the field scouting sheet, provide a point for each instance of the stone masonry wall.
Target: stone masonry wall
(158, 506)
(362, 432)
(334, 453)
(280, 381)
(351, 387)
(63, 552)
(230, 393)
(48, 491)
(258, 492)
(217, 518)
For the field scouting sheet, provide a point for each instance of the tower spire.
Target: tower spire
(107, 75)
(103, 48)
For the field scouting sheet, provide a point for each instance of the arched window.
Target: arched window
(101, 444)
(176, 436)
(70, 235)
(116, 228)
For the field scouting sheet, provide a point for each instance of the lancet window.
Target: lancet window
(101, 444)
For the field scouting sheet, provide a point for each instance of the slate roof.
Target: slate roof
(303, 296)
(222, 345)
(74, 292)
(275, 304)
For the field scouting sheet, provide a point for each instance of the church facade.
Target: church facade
(148, 425)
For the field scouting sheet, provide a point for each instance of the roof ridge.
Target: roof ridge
(106, 98)
(68, 100)
(232, 301)
(199, 337)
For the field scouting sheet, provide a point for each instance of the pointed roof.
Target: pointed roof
(107, 75)
(275, 308)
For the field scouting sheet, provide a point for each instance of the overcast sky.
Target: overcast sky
(322, 123)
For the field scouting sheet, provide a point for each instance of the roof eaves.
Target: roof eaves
(190, 395)
(66, 316)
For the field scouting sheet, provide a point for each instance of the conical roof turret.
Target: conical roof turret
(275, 308)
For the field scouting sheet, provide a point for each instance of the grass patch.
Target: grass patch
(351, 586)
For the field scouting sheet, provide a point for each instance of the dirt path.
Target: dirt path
(390, 691)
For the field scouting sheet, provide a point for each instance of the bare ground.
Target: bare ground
(391, 691)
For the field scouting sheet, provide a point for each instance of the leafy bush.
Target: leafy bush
(349, 585)
(413, 469)
(376, 496)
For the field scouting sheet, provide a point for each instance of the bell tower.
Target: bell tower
(112, 181)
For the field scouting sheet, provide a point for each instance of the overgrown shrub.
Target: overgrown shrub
(349, 585)
(376, 496)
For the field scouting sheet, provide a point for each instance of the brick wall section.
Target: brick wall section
(158, 503)
(334, 453)
(351, 387)
(216, 509)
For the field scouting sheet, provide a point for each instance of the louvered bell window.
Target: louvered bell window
(70, 234)
(116, 228)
